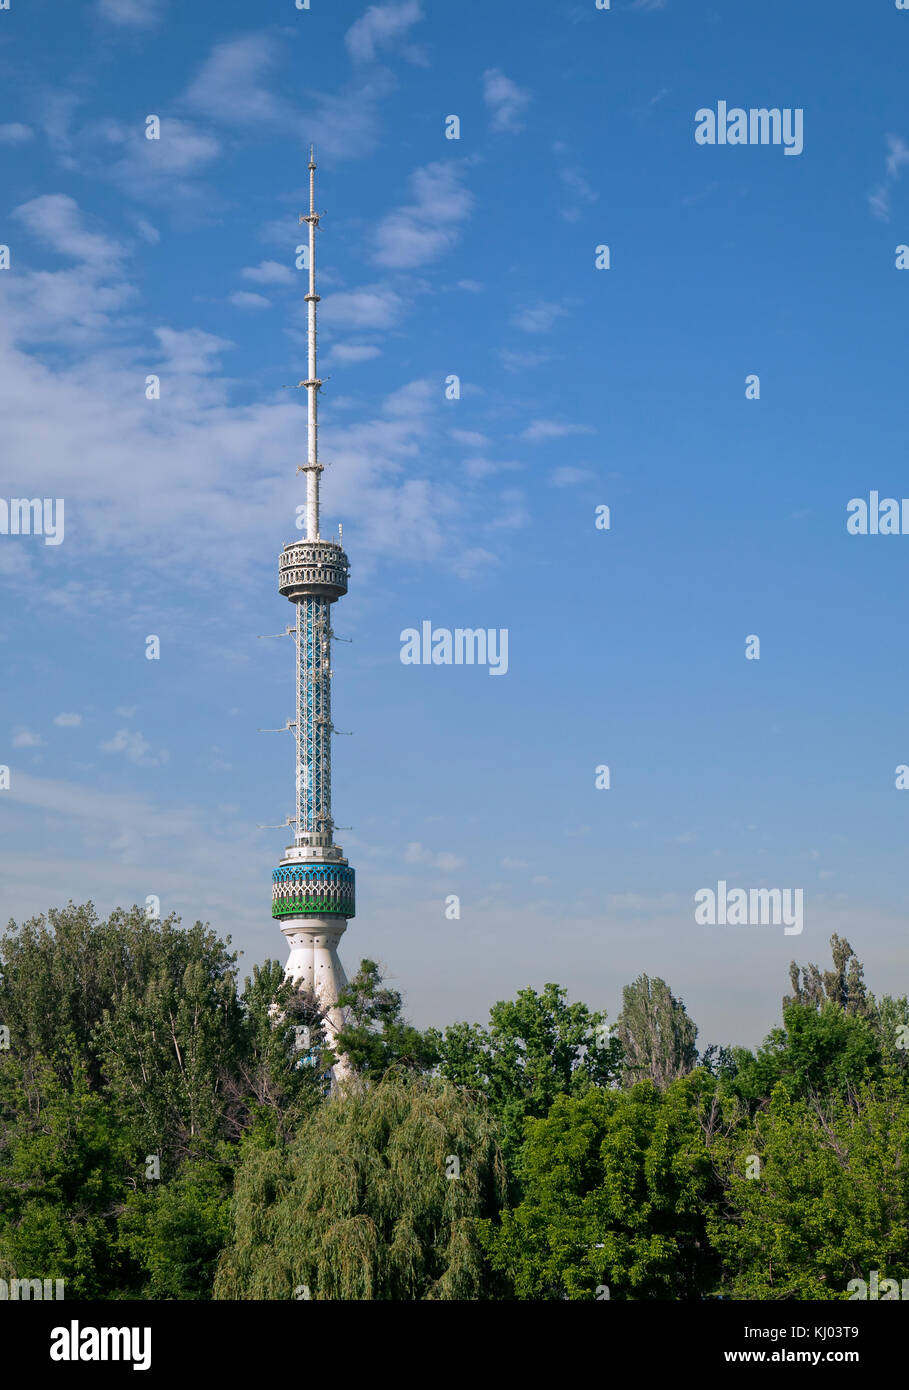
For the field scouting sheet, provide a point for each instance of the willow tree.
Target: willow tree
(376, 1197)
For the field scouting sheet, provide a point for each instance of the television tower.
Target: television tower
(313, 887)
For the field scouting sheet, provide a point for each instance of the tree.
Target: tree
(817, 1051)
(376, 1036)
(617, 1185)
(827, 1200)
(65, 1166)
(537, 1047)
(280, 1072)
(174, 1232)
(843, 985)
(376, 1197)
(170, 1038)
(656, 1034)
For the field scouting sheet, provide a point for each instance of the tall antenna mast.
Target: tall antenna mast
(312, 468)
(313, 887)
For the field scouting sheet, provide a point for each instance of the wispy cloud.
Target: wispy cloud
(415, 853)
(567, 476)
(373, 306)
(130, 14)
(428, 226)
(897, 158)
(505, 101)
(344, 353)
(538, 318)
(577, 191)
(15, 133)
(553, 429)
(522, 361)
(235, 84)
(26, 738)
(68, 721)
(381, 26)
(135, 747)
(268, 273)
(245, 299)
(59, 222)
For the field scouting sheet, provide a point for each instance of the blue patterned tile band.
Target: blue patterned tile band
(313, 890)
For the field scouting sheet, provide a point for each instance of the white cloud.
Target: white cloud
(508, 863)
(125, 711)
(25, 738)
(578, 192)
(538, 318)
(879, 203)
(413, 398)
(472, 438)
(244, 299)
(505, 101)
(135, 746)
(568, 476)
(130, 14)
(147, 232)
(897, 157)
(415, 853)
(514, 513)
(522, 361)
(374, 306)
(15, 133)
(57, 220)
(268, 273)
(191, 463)
(190, 351)
(235, 84)
(344, 353)
(380, 26)
(346, 124)
(68, 721)
(553, 429)
(482, 467)
(427, 227)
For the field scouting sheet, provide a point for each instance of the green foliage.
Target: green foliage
(830, 1201)
(844, 985)
(525, 1159)
(817, 1050)
(376, 1036)
(656, 1034)
(363, 1203)
(537, 1047)
(174, 1232)
(65, 1162)
(170, 1038)
(617, 1185)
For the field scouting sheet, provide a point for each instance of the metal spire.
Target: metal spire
(312, 468)
(313, 887)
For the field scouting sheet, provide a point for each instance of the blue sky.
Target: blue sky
(579, 387)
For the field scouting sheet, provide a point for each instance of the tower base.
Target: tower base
(314, 964)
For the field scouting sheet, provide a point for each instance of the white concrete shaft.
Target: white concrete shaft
(314, 963)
